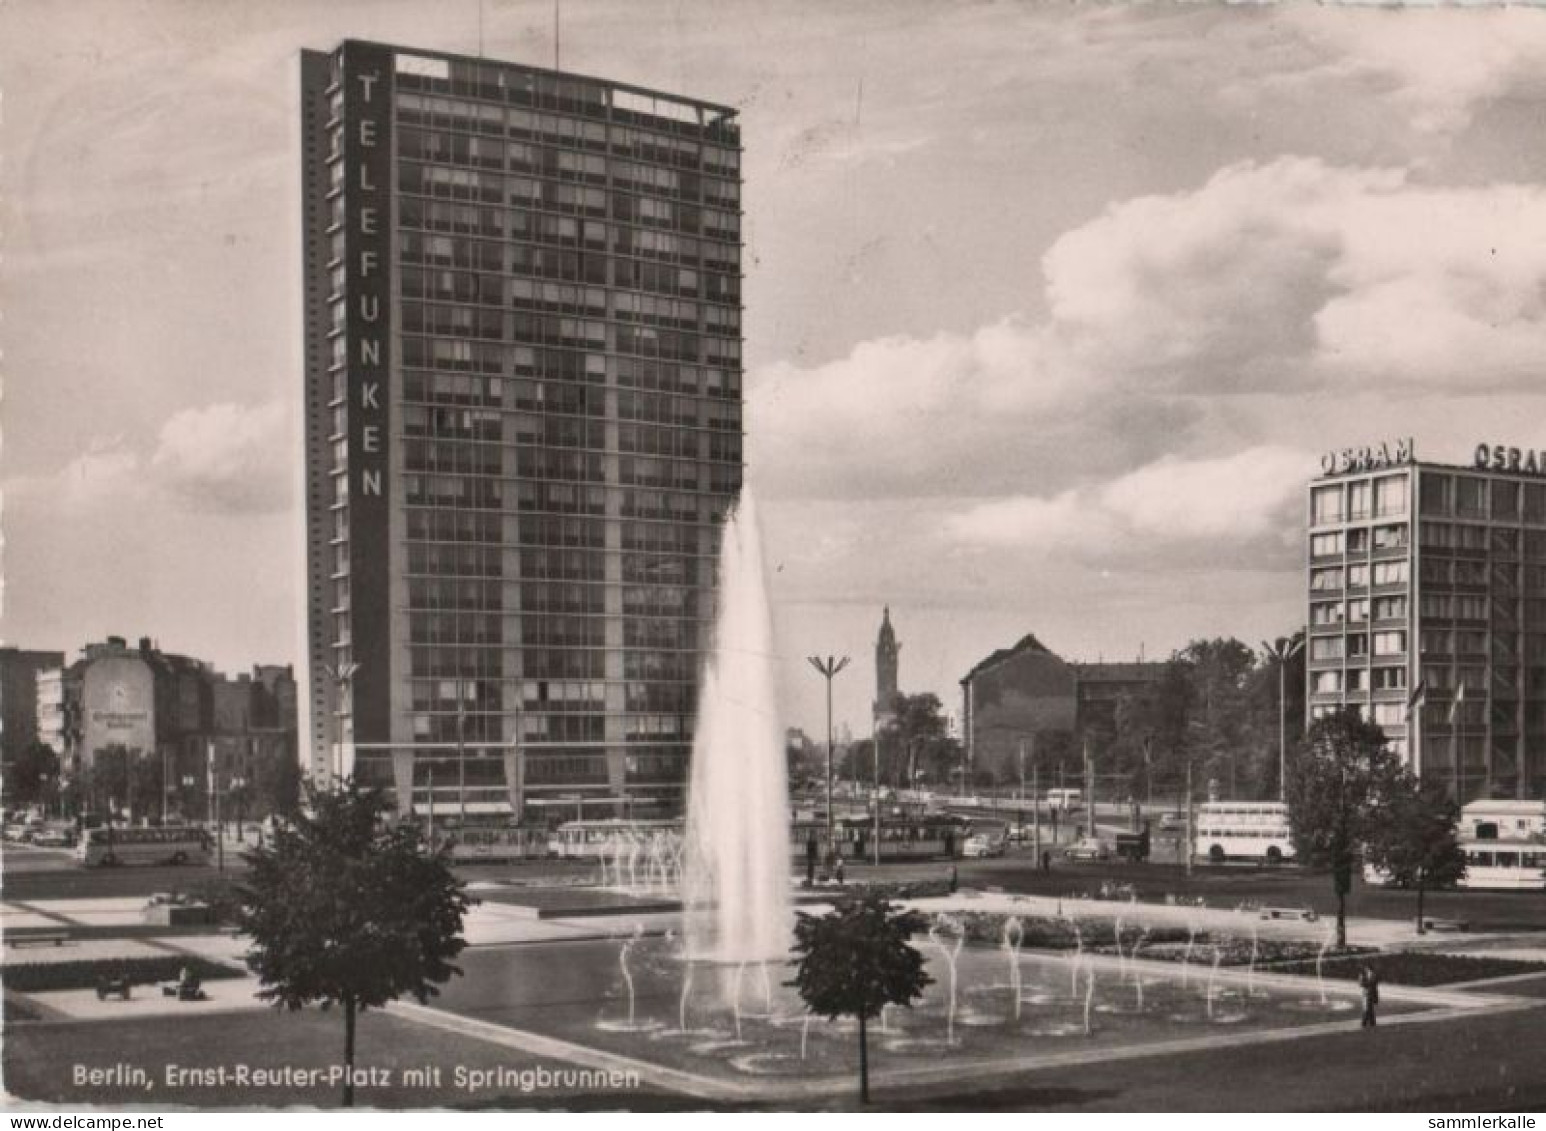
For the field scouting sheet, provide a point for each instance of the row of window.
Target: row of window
(561, 164)
(688, 144)
(1357, 644)
(1358, 540)
(1360, 575)
(1362, 498)
(1355, 611)
(420, 219)
(494, 357)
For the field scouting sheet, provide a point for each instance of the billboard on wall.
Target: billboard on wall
(118, 705)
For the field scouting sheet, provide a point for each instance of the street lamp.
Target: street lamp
(829, 668)
(342, 674)
(1283, 651)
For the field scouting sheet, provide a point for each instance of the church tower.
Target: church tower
(886, 652)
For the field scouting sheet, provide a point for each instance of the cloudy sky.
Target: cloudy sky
(1050, 308)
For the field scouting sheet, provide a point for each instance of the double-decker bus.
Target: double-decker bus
(1504, 843)
(170, 844)
(1504, 865)
(1242, 830)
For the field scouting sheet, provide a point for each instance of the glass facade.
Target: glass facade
(1447, 566)
(562, 436)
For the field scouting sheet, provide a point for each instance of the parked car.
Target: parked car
(980, 845)
(1087, 848)
(1172, 822)
(54, 836)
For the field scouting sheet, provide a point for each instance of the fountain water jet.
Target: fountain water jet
(950, 954)
(737, 844)
(1014, 935)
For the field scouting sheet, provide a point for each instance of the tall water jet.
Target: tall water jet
(737, 850)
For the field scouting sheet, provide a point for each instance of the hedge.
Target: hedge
(85, 974)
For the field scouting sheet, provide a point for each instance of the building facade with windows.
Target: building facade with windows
(1027, 702)
(19, 671)
(1427, 610)
(523, 405)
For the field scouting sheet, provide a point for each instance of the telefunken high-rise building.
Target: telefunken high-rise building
(1427, 603)
(523, 414)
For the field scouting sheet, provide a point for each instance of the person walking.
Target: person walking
(838, 871)
(1369, 983)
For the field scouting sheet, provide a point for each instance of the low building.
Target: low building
(1028, 702)
(174, 709)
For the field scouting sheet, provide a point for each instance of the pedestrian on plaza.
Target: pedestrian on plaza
(1046, 860)
(954, 879)
(810, 862)
(1369, 983)
(838, 872)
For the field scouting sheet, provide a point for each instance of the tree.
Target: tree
(857, 959)
(277, 786)
(345, 908)
(32, 777)
(1418, 844)
(1339, 796)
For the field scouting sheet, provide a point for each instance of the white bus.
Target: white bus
(1503, 820)
(1067, 800)
(1504, 865)
(171, 844)
(1242, 830)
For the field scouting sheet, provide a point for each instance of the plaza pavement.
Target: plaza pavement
(492, 924)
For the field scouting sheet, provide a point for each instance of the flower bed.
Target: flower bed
(86, 974)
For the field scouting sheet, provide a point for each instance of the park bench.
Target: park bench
(113, 987)
(40, 938)
(1306, 913)
(1445, 926)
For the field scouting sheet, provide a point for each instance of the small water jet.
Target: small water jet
(1250, 972)
(1014, 936)
(1077, 957)
(622, 959)
(686, 990)
(1089, 999)
(1186, 957)
(1213, 974)
(950, 954)
(1320, 958)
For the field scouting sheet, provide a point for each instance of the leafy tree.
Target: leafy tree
(277, 786)
(32, 777)
(1418, 845)
(857, 959)
(345, 908)
(1339, 798)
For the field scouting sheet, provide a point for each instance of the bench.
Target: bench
(184, 991)
(1446, 926)
(113, 987)
(1306, 913)
(40, 938)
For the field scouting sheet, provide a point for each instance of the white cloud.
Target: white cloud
(227, 457)
(1229, 511)
(1291, 278)
(1437, 66)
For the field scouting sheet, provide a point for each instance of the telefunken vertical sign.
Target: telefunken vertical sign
(368, 169)
(1388, 453)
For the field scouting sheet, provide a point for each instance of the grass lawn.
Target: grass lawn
(41, 1061)
(1417, 968)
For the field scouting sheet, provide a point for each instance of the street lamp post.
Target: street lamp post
(342, 674)
(829, 667)
(1283, 651)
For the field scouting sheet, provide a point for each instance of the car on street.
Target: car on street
(1172, 822)
(1087, 848)
(982, 846)
(54, 836)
